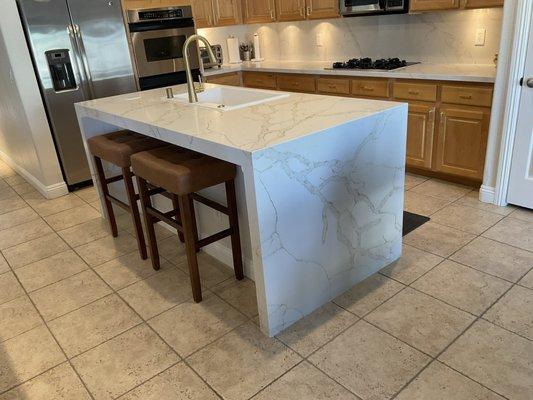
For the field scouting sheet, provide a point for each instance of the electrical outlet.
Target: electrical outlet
(480, 36)
(318, 40)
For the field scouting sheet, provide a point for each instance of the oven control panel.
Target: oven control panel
(159, 14)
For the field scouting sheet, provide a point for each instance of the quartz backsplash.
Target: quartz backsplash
(440, 37)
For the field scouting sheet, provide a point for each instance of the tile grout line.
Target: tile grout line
(143, 321)
(304, 358)
(56, 342)
(459, 336)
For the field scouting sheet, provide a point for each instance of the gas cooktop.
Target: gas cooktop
(367, 63)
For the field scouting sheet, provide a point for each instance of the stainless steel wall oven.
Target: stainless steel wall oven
(157, 37)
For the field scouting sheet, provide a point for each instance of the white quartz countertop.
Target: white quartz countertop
(445, 72)
(247, 129)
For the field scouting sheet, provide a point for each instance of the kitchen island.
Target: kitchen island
(320, 185)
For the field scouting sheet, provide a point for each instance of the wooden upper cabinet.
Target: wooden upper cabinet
(432, 5)
(258, 11)
(462, 141)
(134, 4)
(227, 12)
(482, 3)
(202, 11)
(290, 10)
(420, 132)
(316, 9)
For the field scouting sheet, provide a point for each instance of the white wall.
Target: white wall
(25, 139)
(443, 37)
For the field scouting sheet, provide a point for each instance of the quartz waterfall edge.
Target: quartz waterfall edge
(320, 185)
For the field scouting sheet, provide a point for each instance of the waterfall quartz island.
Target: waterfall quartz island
(320, 185)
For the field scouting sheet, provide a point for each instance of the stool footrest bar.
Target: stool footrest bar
(213, 238)
(208, 202)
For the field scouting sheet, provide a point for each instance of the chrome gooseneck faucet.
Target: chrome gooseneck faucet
(193, 98)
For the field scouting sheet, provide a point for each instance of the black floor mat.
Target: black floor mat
(412, 221)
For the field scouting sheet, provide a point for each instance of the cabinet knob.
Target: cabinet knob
(529, 83)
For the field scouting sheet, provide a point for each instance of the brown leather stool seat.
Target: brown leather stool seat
(118, 147)
(180, 171)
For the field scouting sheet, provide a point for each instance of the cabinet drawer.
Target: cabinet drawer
(297, 83)
(370, 87)
(259, 80)
(334, 85)
(415, 91)
(232, 79)
(469, 95)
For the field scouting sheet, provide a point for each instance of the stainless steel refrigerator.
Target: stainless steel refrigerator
(80, 52)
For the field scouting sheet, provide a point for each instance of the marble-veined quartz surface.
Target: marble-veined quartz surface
(320, 185)
(445, 72)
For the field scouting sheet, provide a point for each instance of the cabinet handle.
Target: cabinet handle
(309, 10)
(414, 92)
(332, 86)
(466, 97)
(367, 88)
(431, 120)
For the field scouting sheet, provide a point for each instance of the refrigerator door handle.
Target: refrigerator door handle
(75, 55)
(84, 61)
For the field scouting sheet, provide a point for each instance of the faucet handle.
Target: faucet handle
(200, 87)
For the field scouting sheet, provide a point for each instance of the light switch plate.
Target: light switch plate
(480, 36)
(318, 40)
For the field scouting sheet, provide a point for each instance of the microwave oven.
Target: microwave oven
(351, 8)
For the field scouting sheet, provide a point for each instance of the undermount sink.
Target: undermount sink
(226, 98)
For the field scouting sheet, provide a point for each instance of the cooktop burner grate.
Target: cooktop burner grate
(368, 63)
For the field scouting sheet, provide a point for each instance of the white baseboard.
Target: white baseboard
(224, 255)
(487, 194)
(50, 192)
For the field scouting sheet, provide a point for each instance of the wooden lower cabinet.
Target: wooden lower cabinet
(482, 3)
(462, 140)
(432, 5)
(231, 79)
(420, 133)
(261, 80)
(297, 83)
(448, 122)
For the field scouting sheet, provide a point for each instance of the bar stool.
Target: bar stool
(179, 173)
(117, 148)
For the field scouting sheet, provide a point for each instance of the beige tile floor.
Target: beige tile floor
(82, 317)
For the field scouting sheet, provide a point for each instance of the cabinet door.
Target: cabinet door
(316, 9)
(429, 5)
(231, 79)
(227, 12)
(262, 80)
(420, 133)
(202, 11)
(257, 11)
(462, 141)
(482, 3)
(290, 10)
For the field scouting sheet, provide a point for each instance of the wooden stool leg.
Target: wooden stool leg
(176, 206)
(189, 222)
(132, 199)
(149, 220)
(231, 198)
(105, 191)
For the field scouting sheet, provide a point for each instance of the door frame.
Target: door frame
(524, 14)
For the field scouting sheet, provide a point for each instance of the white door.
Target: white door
(521, 178)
